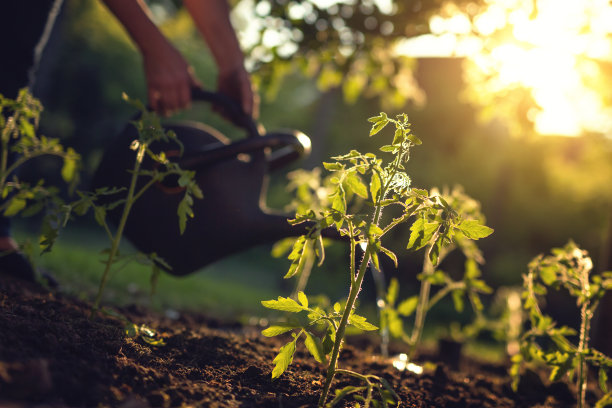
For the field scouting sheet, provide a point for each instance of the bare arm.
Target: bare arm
(169, 77)
(211, 17)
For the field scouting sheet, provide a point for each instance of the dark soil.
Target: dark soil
(53, 355)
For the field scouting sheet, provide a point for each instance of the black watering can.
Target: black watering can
(232, 216)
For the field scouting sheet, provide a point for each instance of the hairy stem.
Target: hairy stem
(350, 304)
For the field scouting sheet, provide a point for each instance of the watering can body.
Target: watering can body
(230, 218)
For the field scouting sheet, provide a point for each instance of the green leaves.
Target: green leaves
(421, 233)
(379, 122)
(284, 304)
(283, 359)
(473, 229)
(568, 267)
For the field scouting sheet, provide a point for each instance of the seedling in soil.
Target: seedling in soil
(569, 268)
(132, 330)
(435, 226)
(460, 218)
(149, 131)
(19, 120)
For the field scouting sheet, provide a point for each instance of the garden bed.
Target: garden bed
(53, 355)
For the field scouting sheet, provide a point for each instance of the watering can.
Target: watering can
(233, 176)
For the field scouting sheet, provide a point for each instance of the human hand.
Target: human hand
(236, 84)
(169, 79)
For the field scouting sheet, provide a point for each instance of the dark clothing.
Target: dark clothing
(24, 28)
(23, 24)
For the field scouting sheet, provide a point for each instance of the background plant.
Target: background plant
(461, 216)
(435, 225)
(569, 268)
(19, 121)
(104, 199)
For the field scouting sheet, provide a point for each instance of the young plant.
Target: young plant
(569, 268)
(435, 225)
(149, 131)
(462, 215)
(19, 120)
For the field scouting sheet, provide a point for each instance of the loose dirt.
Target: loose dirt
(53, 355)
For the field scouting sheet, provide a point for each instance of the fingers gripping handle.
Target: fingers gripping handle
(229, 108)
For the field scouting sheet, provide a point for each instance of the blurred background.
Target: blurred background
(511, 98)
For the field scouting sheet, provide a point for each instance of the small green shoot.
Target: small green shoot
(569, 268)
(132, 330)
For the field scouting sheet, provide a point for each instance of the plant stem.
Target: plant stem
(421, 312)
(119, 233)
(585, 323)
(350, 304)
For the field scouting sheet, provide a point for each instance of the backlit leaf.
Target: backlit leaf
(315, 347)
(355, 184)
(15, 205)
(284, 304)
(375, 185)
(277, 329)
(303, 299)
(473, 229)
(408, 306)
(283, 359)
(421, 233)
(361, 323)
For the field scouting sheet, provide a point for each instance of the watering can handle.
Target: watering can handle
(285, 146)
(230, 108)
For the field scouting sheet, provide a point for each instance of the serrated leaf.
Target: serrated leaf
(284, 304)
(299, 254)
(389, 149)
(415, 140)
(315, 347)
(378, 126)
(303, 299)
(408, 306)
(421, 233)
(473, 229)
(283, 359)
(333, 166)
(355, 184)
(375, 186)
(361, 323)
(382, 116)
(278, 329)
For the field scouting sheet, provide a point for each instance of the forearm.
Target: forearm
(134, 16)
(211, 17)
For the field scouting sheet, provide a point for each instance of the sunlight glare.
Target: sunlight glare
(550, 50)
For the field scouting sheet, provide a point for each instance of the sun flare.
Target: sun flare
(556, 51)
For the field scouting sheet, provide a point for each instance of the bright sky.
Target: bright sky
(551, 50)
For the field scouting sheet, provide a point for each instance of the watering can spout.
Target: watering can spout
(232, 176)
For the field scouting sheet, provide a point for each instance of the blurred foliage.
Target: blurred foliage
(342, 43)
(537, 192)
